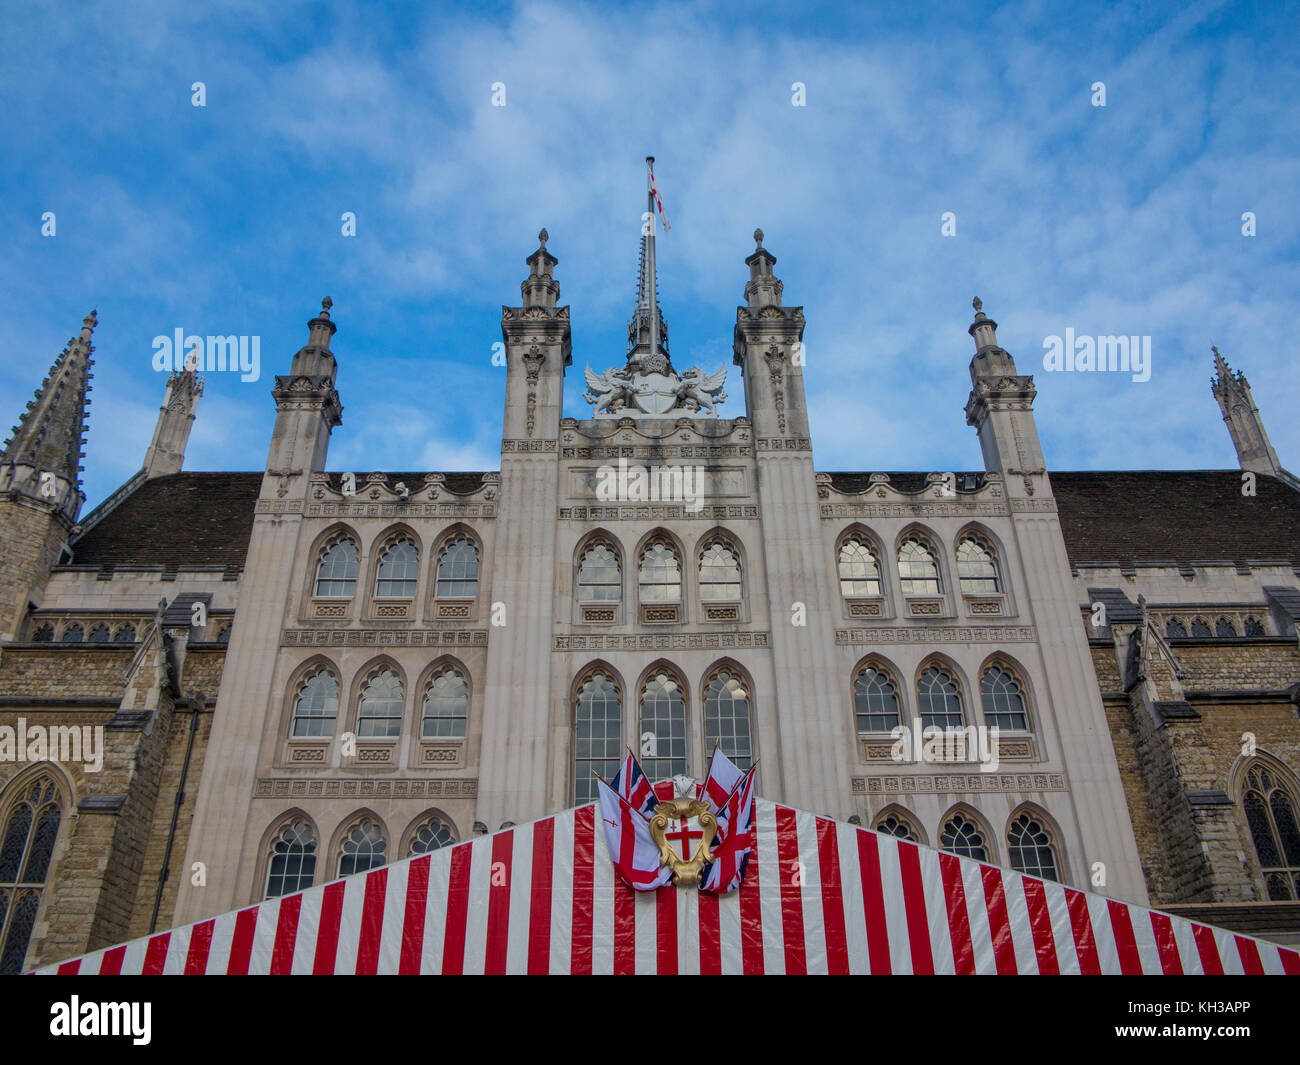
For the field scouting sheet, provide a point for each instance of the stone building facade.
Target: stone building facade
(301, 672)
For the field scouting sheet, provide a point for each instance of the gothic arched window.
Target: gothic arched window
(1254, 627)
(918, 570)
(726, 718)
(73, 634)
(126, 634)
(1200, 627)
(939, 699)
(363, 848)
(597, 735)
(1225, 628)
(458, 570)
(859, 570)
(433, 835)
(336, 574)
(398, 570)
(99, 634)
(31, 827)
(660, 574)
(1003, 700)
(43, 634)
(963, 837)
(1271, 816)
(719, 573)
(380, 711)
(875, 700)
(1174, 629)
(896, 826)
(316, 705)
(977, 567)
(599, 577)
(663, 726)
(446, 706)
(292, 863)
(1030, 848)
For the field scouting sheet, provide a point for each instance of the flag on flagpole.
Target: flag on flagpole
(632, 785)
(654, 191)
(627, 834)
(734, 841)
(721, 781)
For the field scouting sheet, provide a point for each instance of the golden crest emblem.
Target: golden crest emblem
(681, 811)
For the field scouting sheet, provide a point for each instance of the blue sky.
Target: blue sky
(226, 219)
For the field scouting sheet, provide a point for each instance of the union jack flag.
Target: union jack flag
(735, 840)
(631, 785)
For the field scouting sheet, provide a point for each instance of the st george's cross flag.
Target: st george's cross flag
(627, 835)
(721, 781)
(654, 191)
(735, 839)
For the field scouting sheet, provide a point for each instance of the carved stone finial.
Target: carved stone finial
(758, 237)
(543, 236)
(978, 304)
(325, 306)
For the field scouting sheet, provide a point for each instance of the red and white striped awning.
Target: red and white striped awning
(819, 896)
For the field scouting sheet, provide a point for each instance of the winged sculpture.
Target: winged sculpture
(705, 390)
(606, 389)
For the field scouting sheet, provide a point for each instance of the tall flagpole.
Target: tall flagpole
(650, 258)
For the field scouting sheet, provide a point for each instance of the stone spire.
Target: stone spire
(539, 288)
(166, 452)
(647, 332)
(764, 288)
(1254, 451)
(42, 459)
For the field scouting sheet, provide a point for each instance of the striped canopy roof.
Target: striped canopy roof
(819, 896)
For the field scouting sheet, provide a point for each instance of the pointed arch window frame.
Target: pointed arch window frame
(40, 793)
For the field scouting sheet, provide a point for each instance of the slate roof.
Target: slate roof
(197, 519)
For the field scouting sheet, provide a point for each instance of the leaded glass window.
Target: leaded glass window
(73, 634)
(380, 713)
(1174, 629)
(961, 836)
(599, 579)
(660, 574)
(597, 735)
(431, 836)
(875, 701)
(398, 571)
(126, 634)
(859, 570)
(895, 826)
(316, 705)
(663, 727)
(719, 573)
(1030, 848)
(458, 571)
(30, 832)
(918, 572)
(43, 634)
(977, 568)
(1003, 701)
(99, 634)
(726, 718)
(446, 706)
(939, 700)
(292, 864)
(336, 575)
(1271, 816)
(1254, 627)
(363, 848)
(1201, 627)
(1225, 628)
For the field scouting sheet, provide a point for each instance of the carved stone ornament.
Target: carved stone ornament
(631, 392)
